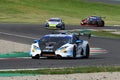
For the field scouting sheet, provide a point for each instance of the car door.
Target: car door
(77, 44)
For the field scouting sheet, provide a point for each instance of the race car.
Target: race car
(60, 46)
(55, 23)
(93, 21)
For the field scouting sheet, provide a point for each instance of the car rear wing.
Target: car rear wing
(85, 34)
(75, 33)
(103, 17)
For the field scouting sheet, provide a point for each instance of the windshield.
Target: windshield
(64, 40)
(93, 18)
(54, 20)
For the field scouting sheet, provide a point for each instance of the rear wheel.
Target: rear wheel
(102, 23)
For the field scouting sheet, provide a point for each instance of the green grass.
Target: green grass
(106, 34)
(99, 33)
(72, 11)
(66, 70)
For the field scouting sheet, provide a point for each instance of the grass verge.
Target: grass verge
(106, 34)
(99, 33)
(66, 70)
(71, 11)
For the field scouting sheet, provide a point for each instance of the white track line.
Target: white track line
(17, 35)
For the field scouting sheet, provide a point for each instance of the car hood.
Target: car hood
(53, 46)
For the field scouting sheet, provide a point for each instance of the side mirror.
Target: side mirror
(36, 41)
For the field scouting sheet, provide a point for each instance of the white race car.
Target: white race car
(60, 45)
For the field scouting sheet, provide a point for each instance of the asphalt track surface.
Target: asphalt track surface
(26, 33)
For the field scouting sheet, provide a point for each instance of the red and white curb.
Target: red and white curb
(95, 51)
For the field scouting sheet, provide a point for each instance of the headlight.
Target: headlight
(63, 49)
(35, 48)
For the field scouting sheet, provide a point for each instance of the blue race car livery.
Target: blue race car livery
(60, 45)
(93, 21)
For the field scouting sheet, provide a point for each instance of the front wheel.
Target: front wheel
(36, 57)
(74, 52)
(87, 52)
(63, 27)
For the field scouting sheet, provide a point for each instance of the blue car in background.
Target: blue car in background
(93, 21)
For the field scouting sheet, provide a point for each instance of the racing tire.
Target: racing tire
(102, 23)
(74, 52)
(36, 57)
(63, 27)
(82, 52)
(87, 52)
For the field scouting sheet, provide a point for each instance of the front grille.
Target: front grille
(47, 54)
